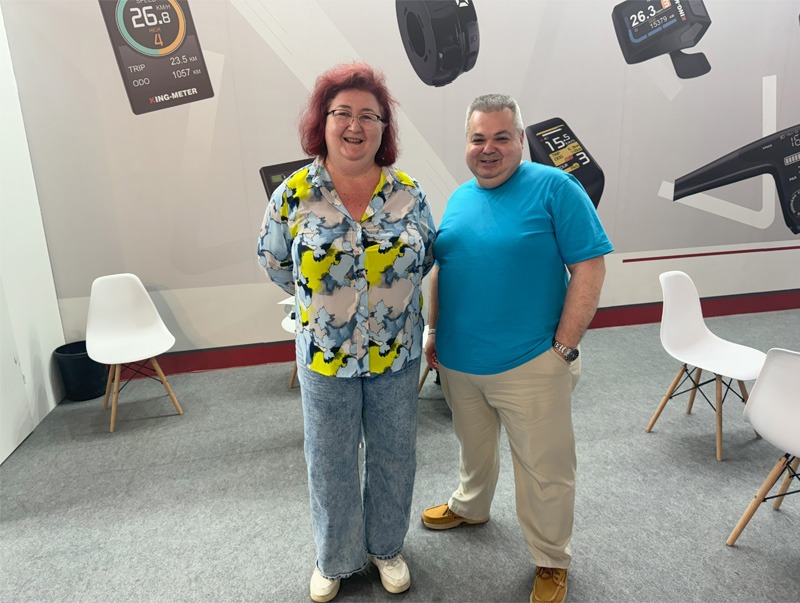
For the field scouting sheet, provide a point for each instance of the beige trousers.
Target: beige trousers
(533, 402)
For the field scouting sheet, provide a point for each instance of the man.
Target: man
(529, 235)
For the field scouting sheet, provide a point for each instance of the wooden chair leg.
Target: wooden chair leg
(758, 499)
(743, 389)
(294, 375)
(697, 373)
(115, 397)
(108, 386)
(163, 378)
(424, 376)
(785, 485)
(666, 398)
(719, 417)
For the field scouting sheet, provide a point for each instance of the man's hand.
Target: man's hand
(430, 352)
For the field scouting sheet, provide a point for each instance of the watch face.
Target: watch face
(650, 28)
(552, 142)
(273, 175)
(157, 52)
(440, 37)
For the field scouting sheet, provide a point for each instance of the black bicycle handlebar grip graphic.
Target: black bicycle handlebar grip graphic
(441, 37)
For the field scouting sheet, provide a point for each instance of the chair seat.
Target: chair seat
(132, 347)
(721, 357)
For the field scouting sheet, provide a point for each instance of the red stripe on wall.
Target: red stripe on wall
(220, 358)
(267, 353)
(707, 254)
(712, 306)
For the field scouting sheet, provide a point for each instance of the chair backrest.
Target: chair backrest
(773, 407)
(682, 321)
(121, 308)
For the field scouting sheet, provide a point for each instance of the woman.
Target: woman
(351, 238)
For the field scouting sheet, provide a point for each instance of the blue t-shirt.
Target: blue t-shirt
(502, 275)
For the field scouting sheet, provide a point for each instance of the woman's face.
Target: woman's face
(359, 140)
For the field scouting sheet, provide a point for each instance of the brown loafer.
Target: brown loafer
(442, 518)
(550, 585)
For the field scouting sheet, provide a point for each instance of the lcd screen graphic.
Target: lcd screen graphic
(649, 19)
(158, 53)
(273, 175)
(649, 28)
(552, 142)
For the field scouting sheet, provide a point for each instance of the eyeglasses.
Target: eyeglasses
(343, 118)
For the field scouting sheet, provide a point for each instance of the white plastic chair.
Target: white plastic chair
(124, 327)
(774, 411)
(686, 338)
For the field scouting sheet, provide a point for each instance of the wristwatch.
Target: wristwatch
(569, 354)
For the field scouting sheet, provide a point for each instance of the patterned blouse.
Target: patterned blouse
(356, 282)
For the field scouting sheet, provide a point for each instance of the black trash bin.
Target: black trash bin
(83, 378)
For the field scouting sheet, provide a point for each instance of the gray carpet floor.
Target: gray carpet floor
(212, 505)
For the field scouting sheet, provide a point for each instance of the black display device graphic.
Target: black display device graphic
(273, 175)
(441, 37)
(158, 52)
(552, 142)
(649, 28)
(777, 154)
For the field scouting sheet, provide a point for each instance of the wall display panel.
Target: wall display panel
(552, 142)
(441, 38)
(273, 175)
(158, 52)
(777, 155)
(174, 196)
(650, 28)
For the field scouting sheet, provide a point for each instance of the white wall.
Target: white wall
(175, 197)
(30, 325)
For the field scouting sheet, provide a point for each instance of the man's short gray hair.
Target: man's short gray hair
(488, 103)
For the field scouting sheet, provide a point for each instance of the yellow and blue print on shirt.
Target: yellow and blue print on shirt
(357, 280)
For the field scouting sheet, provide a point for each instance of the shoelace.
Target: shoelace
(551, 572)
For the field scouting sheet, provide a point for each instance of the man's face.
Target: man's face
(494, 147)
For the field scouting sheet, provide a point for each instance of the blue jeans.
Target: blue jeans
(355, 518)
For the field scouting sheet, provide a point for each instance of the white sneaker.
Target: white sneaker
(322, 589)
(395, 576)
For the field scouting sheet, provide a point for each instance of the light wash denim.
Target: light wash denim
(355, 518)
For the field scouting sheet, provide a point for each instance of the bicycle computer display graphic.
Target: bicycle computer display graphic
(649, 28)
(777, 154)
(158, 53)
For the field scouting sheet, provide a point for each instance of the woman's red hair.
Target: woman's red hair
(348, 76)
